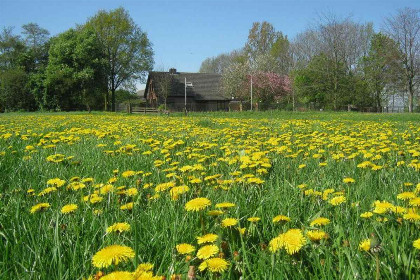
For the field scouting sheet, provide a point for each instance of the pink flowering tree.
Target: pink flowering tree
(269, 87)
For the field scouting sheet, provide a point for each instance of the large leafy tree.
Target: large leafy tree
(323, 82)
(14, 94)
(382, 66)
(12, 48)
(261, 39)
(35, 60)
(75, 74)
(126, 47)
(404, 28)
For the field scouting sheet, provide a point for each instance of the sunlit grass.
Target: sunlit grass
(299, 165)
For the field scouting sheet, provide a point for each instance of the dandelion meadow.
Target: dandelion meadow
(209, 196)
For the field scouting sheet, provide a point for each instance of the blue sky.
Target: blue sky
(184, 33)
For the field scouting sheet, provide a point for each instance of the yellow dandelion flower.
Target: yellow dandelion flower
(382, 207)
(143, 267)
(229, 222)
(185, 248)
(416, 244)
(215, 265)
(293, 241)
(118, 275)
(208, 238)
(69, 208)
(241, 230)
(113, 254)
(316, 235)
(225, 205)
(215, 213)
(415, 202)
(399, 210)
(207, 251)
(39, 207)
(281, 218)
(56, 182)
(47, 191)
(366, 215)
(76, 186)
(337, 200)
(128, 173)
(112, 180)
(177, 191)
(364, 245)
(131, 192)
(276, 244)
(164, 186)
(106, 189)
(118, 227)
(254, 219)
(74, 179)
(146, 275)
(417, 190)
(197, 204)
(348, 180)
(94, 198)
(411, 216)
(127, 206)
(406, 195)
(321, 221)
(56, 158)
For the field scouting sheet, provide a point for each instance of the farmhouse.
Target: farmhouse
(203, 91)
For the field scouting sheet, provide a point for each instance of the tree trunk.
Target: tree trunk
(106, 100)
(335, 94)
(113, 99)
(410, 96)
(378, 101)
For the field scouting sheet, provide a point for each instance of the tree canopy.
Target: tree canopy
(126, 47)
(76, 69)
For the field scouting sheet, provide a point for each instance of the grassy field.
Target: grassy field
(280, 196)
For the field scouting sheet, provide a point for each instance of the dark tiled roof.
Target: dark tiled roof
(205, 87)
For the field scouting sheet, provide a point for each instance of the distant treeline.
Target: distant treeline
(79, 69)
(332, 65)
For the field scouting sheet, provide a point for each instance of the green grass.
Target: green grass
(50, 245)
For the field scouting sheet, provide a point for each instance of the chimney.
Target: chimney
(172, 71)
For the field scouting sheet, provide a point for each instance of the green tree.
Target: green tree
(75, 74)
(261, 39)
(11, 49)
(323, 82)
(280, 51)
(126, 47)
(404, 28)
(14, 94)
(382, 66)
(35, 60)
